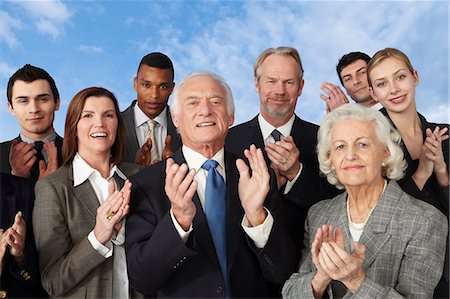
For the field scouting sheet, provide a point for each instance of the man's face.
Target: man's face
(278, 87)
(34, 106)
(153, 87)
(202, 117)
(354, 77)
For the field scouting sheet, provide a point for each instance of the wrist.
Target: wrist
(257, 218)
(319, 284)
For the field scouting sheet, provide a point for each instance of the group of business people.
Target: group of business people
(162, 201)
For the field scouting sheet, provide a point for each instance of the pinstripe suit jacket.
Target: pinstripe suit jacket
(63, 216)
(405, 248)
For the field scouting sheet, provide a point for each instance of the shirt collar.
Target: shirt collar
(195, 160)
(49, 137)
(267, 128)
(82, 171)
(141, 118)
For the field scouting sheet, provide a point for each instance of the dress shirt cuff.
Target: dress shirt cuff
(259, 234)
(104, 250)
(183, 234)
(289, 184)
(118, 238)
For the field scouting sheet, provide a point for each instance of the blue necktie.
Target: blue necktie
(276, 135)
(216, 215)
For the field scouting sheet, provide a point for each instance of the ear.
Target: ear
(172, 87)
(57, 104)
(300, 87)
(11, 109)
(135, 83)
(231, 120)
(256, 82)
(174, 119)
(416, 77)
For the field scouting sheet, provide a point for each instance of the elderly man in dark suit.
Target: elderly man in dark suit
(150, 133)
(33, 99)
(289, 142)
(19, 269)
(194, 232)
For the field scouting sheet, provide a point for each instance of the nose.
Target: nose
(279, 88)
(204, 107)
(350, 154)
(154, 92)
(99, 121)
(34, 106)
(356, 80)
(394, 87)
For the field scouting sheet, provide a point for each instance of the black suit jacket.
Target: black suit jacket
(310, 186)
(19, 280)
(5, 166)
(131, 141)
(162, 265)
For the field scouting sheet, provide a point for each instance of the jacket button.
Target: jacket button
(219, 289)
(3, 294)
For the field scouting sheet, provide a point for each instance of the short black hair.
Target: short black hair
(157, 60)
(30, 73)
(348, 59)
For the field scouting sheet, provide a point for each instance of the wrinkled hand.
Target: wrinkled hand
(281, 180)
(433, 151)
(180, 188)
(343, 266)
(115, 207)
(335, 96)
(52, 156)
(253, 189)
(21, 158)
(284, 156)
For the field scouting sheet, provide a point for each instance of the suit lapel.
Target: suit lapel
(130, 126)
(85, 194)
(376, 233)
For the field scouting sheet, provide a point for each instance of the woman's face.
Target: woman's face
(394, 85)
(356, 153)
(97, 127)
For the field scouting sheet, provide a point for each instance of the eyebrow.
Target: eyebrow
(358, 70)
(37, 96)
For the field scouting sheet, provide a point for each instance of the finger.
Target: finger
(111, 187)
(339, 239)
(18, 220)
(243, 169)
(335, 259)
(185, 185)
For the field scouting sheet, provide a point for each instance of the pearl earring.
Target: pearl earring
(383, 164)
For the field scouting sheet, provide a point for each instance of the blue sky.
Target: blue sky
(100, 43)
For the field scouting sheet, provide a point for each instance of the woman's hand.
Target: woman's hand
(343, 266)
(433, 151)
(111, 212)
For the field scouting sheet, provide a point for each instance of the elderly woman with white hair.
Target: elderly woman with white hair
(374, 240)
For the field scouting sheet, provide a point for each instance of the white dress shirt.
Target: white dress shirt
(259, 234)
(140, 119)
(285, 130)
(82, 172)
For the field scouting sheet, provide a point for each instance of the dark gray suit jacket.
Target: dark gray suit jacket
(405, 247)
(131, 141)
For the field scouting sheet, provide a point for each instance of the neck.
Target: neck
(369, 102)
(276, 121)
(406, 123)
(38, 136)
(99, 162)
(363, 199)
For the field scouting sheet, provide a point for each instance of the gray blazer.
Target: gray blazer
(131, 141)
(63, 216)
(405, 248)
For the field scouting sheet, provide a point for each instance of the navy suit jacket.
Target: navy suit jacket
(160, 264)
(19, 280)
(131, 141)
(5, 167)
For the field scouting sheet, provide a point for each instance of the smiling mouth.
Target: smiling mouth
(99, 135)
(205, 124)
(397, 100)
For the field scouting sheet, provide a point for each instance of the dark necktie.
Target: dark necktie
(38, 145)
(276, 135)
(216, 215)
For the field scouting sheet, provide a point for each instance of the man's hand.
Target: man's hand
(21, 158)
(52, 156)
(253, 189)
(334, 97)
(180, 188)
(284, 155)
(144, 156)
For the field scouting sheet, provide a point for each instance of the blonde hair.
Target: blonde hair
(286, 51)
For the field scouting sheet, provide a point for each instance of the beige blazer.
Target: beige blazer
(63, 216)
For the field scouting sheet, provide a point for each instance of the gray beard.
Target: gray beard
(276, 114)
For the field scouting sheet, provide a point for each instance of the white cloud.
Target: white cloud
(91, 49)
(6, 70)
(7, 27)
(49, 15)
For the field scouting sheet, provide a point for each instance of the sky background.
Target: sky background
(100, 43)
